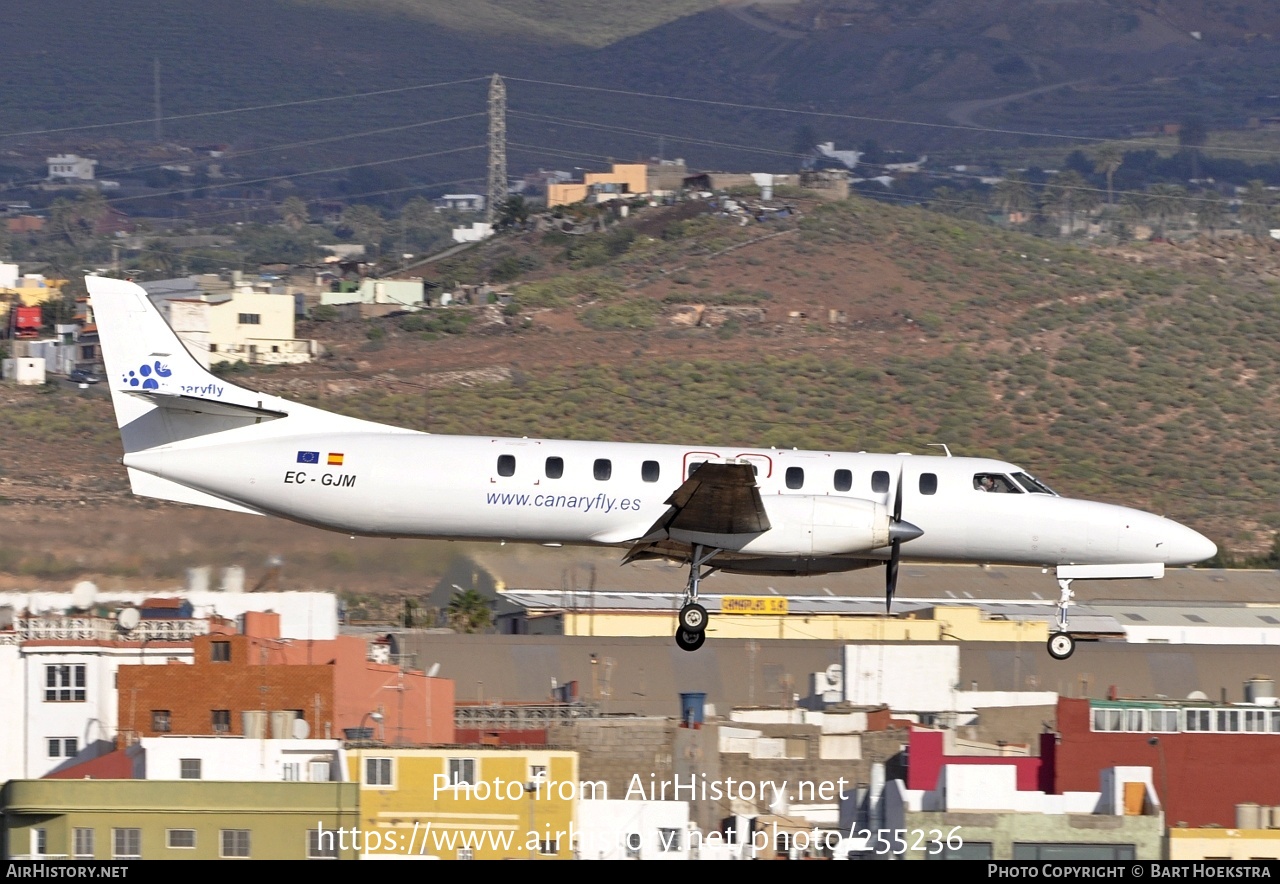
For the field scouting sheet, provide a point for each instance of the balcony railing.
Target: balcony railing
(101, 629)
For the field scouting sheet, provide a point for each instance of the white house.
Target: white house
(58, 664)
(238, 758)
(236, 321)
(460, 202)
(69, 167)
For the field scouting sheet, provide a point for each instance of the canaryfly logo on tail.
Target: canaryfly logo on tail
(150, 375)
(145, 375)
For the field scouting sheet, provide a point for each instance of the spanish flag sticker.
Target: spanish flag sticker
(335, 460)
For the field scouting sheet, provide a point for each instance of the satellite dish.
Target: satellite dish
(129, 619)
(434, 670)
(301, 730)
(83, 595)
(1197, 695)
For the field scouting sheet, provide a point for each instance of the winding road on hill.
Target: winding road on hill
(965, 113)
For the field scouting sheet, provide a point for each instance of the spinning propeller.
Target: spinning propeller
(899, 533)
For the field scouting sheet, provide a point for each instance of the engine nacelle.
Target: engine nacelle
(808, 525)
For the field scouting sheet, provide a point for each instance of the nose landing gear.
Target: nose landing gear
(691, 631)
(1061, 644)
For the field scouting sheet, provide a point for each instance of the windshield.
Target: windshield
(995, 482)
(1033, 485)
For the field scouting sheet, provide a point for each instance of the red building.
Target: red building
(1205, 757)
(333, 686)
(927, 754)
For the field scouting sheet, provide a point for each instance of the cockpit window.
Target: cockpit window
(1033, 485)
(995, 482)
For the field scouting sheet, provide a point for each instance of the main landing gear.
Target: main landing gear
(1061, 644)
(691, 629)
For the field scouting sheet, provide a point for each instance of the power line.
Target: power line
(862, 118)
(242, 110)
(239, 154)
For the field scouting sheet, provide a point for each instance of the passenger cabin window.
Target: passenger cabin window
(795, 478)
(506, 465)
(693, 468)
(603, 469)
(555, 467)
(649, 471)
(843, 480)
(928, 483)
(995, 482)
(880, 481)
(1033, 485)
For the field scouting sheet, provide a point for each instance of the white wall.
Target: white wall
(13, 699)
(91, 722)
(604, 826)
(238, 758)
(907, 678)
(1203, 635)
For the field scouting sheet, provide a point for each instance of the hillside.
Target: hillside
(1080, 67)
(1146, 376)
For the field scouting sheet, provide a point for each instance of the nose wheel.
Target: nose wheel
(693, 618)
(1061, 645)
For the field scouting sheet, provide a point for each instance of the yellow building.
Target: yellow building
(623, 178)
(1224, 844)
(467, 803)
(799, 621)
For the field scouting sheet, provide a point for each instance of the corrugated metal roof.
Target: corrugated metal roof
(1190, 615)
(531, 567)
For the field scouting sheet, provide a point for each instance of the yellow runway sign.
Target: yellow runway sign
(753, 604)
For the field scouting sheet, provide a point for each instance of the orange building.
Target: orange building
(623, 178)
(256, 683)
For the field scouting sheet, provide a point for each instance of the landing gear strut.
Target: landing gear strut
(692, 619)
(1061, 644)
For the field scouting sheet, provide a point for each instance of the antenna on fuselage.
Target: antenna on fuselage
(942, 445)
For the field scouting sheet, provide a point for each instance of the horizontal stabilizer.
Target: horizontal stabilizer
(200, 405)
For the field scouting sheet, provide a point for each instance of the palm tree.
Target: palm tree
(1165, 203)
(1012, 194)
(294, 213)
(1068, 193)
(513, 212)
(1211, 211)
(366, 223)
(469, 611)
(1193, 134)
(1255, 209)
(1107, 159)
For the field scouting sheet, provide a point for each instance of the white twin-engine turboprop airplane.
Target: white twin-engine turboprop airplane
(195, 438)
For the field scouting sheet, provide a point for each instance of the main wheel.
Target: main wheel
(690, 641)
(693, 618)
(1061, 646)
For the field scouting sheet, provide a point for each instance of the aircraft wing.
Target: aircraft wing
(718, 502)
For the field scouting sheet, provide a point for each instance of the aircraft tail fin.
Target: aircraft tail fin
(160, 392)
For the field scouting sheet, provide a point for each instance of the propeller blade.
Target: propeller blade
(897, 499)
(891, 576)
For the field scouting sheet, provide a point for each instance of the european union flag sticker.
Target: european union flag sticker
(308, 457)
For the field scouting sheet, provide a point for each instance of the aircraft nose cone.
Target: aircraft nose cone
(1190, 547)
